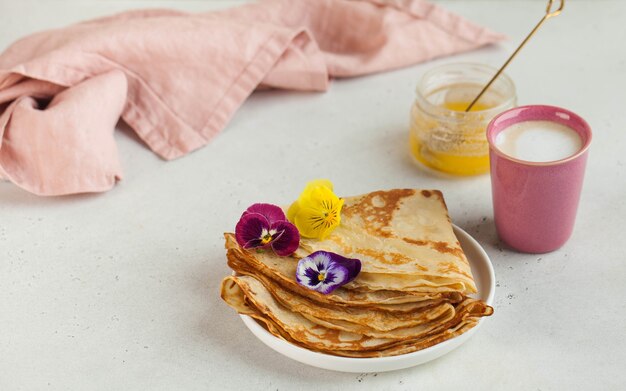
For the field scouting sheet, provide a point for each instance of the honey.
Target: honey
(461, 106)
(453, 158)
(442, 135)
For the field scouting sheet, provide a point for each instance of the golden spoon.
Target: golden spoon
(548, 15)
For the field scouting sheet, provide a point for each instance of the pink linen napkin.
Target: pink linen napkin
(177, 78)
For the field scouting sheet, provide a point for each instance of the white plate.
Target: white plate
(485, 282)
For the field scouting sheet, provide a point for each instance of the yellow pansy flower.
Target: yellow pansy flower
(317, 212)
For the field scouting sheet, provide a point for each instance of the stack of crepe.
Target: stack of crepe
(412, 292)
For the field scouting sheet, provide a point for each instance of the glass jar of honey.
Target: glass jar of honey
(443, 136)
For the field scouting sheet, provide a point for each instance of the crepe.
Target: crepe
(250, 297)
(412, 292)
(374, 319)
(404, 239)
(283, 270)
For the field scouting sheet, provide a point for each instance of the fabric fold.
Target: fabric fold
(178, 78)
(40, 135)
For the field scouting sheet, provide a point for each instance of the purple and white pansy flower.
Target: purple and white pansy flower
(264, 226)
(324, 271)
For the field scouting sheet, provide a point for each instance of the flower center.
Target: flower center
(321, 276)
(267, 236)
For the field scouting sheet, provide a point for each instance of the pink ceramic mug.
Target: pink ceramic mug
(534, 203)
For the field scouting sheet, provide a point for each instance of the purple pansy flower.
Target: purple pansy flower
(265, 225)
(323, 271)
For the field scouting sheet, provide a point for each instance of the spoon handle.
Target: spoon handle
(548, 15)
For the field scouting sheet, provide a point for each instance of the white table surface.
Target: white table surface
(119, 291)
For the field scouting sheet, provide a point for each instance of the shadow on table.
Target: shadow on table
(12, 195)
(391, 144)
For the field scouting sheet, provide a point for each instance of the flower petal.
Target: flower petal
(317, 196)
(317, 211)
(249, 229)
(293, 211)
(324, 271)
(271, 212)
(307, 272)
(319, 183)
(312, 276)
(310, 222)
(352, 265)
(287, 238)
(334, 279)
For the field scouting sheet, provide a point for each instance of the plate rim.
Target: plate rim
(268, 339)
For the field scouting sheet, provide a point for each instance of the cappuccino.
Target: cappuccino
(538, 141)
